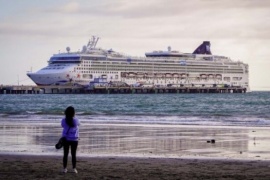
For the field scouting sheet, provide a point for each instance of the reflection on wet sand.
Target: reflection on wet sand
(141, 140)
(163, 141)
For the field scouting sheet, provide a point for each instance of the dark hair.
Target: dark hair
(70, 113)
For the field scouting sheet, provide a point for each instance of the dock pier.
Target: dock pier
(13, 89)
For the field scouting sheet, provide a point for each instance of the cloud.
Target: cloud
(208, 19)
(54, 29)
(240, 4)
(70, 7)
(167, 8)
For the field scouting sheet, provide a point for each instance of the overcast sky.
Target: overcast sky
(31, 31)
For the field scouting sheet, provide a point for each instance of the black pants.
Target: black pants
(74, 145)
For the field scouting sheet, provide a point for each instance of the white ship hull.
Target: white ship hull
(166, 68)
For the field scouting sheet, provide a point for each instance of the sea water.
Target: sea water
(250, 109)
(144, 125)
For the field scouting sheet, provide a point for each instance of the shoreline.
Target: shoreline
(138, 156)
(113, 151)
(49, 167)
(153, 141)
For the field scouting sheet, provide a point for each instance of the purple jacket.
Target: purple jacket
(73, 133)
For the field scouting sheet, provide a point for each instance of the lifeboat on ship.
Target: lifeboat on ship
(203, 76)
(159, 75)
(210, 76)
(168, 75)
(140, 75)
(123, 74)
(104, 76)
(176, 75)
(218, 76)
(183, 75)
(131, 74)
(151, 75)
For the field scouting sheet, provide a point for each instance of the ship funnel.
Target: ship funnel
(204, 48)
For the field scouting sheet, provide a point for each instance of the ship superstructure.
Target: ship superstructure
(158, 68)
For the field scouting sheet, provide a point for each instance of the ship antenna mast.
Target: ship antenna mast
(92, 42)
(96, 41)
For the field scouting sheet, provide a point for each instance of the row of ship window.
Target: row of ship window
(219, 79)
(49, 68)
(151, 63)
(162, 79)
(99, 72)
(170, 78)
(166, 67)
(162, 71)
(157, 67)
(144, 61)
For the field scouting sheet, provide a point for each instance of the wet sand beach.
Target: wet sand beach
(124, 151)
(135, 140)
(49, 167)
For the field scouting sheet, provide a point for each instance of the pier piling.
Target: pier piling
(114, 90)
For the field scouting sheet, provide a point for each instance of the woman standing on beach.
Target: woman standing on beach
(71, 132)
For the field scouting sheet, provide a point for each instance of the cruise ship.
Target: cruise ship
(103, 67)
